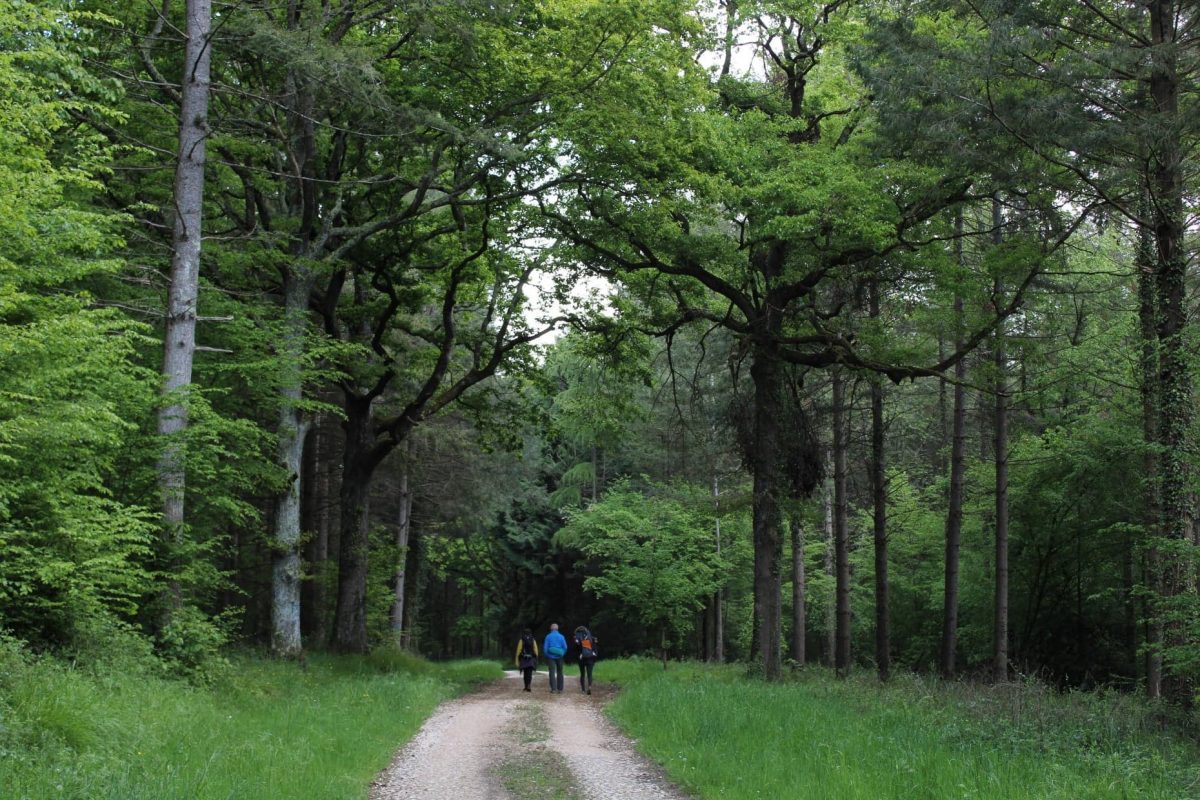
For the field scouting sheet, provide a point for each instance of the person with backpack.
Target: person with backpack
(527, 656)
(555, 648)
(586, 643)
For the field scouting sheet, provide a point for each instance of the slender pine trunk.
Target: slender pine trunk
(949, 646)
(841, 527)
(883, 614)
(403, 526)
(1000, 357)
(799, 612)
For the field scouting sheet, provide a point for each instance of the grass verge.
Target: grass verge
(722, 735)
(266, 729)
(531, 769)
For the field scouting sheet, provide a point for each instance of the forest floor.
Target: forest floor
(501, 742)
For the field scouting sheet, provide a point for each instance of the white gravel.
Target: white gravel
(456, 752)
(451, 757)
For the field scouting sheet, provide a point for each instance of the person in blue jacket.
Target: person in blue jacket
(554, 648)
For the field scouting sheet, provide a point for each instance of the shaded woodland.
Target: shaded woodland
(846, 333)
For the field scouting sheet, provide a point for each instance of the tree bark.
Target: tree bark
(718, 610)
(767, 375)
(830, 570)
(841, 528)
(1000, 617)
(799, 615)
(403, 526)
(883, 632)
(293, 431)
(179, 337)
(350, 625)
(1174, 381)
(949, 647)
(1152, 514)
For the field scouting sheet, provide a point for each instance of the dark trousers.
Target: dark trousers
(556, 669)
(585, 673)
(527, 674)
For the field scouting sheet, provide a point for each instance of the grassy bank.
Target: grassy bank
(264, 729)
(722, 735)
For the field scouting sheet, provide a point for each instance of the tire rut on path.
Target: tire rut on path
(461, 751)
(603, 759)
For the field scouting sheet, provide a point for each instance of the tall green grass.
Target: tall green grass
(722, 735)
(265, 730)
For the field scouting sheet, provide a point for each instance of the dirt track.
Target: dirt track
(500, 739)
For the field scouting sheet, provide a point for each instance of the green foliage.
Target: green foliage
(654, 551)
(721, 735)
(70, 390)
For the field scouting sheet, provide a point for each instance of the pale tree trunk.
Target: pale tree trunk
(841, 528)
(1000, 620)
(404, 498)
(949, 648)
(179, 338)
(298, 284)
(293, 430)
(799, 615)
(883, 613)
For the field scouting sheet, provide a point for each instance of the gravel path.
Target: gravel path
(458, 753)
(602, 758)
(452, 755)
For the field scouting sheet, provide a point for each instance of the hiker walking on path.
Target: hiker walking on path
(527, 656)
(555, 647)
(586, 643)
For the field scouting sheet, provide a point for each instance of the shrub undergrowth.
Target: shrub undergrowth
(265, 729)
(722, 735)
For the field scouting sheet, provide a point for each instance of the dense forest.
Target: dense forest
(854, 332)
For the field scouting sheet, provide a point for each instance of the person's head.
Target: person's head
(527, 632)
(553, 626)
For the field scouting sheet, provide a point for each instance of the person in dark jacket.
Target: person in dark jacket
(586, 643)
(555, 648)
(527, 656)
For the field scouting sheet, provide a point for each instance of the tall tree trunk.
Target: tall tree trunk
(883, 614)
(1175, 382)
(799, 615)
(293, 430)
(765, 457)
(718, 633)
(317, 496)
(403, 526)
(179, 337)
(1152, 514)
(830, 570)
(350, 624)
(730, 31)
(841, 527)
(1000, 356)
(949, 648)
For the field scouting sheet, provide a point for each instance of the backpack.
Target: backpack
(528, 659)
(587, 644)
